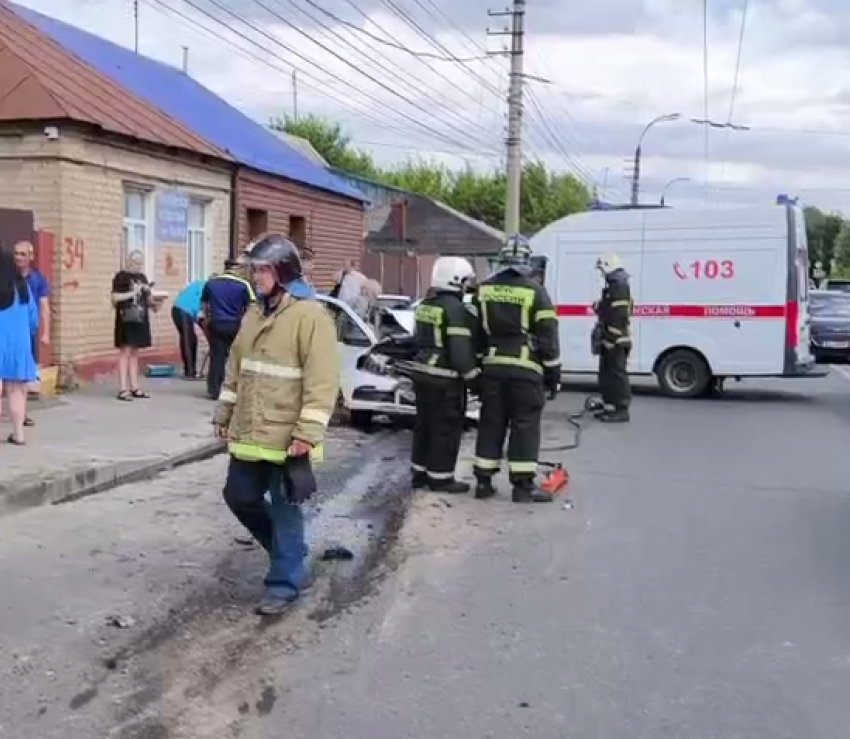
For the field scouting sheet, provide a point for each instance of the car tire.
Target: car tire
(361, 419)
(683, 373)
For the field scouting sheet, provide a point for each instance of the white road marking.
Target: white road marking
(841, 370)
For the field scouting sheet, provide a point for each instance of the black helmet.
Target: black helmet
(277, 251)
(516, 251)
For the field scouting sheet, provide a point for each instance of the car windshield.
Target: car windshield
(831, 304)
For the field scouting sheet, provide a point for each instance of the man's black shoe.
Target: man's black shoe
(418, 480)
(484, 490)
(620, 415)
(453, 487)
(530, 493)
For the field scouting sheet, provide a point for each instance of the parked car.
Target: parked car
(836, 285)
(830, 330)
(374, 381)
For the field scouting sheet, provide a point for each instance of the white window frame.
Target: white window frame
(203, 235)
(147, 222)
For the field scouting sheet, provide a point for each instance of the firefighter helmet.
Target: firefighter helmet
(277, 251)
(452, 274)
(516, 251)
(609, 263)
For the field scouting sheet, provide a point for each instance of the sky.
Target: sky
(412, 79)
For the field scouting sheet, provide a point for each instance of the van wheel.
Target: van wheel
(683, 374)
(361, 419)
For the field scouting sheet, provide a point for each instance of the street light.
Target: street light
(636, 173)
(672, 182)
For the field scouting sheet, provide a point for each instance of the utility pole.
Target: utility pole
(515, 90)
(295, 95)
(136, 25)
(185, 59)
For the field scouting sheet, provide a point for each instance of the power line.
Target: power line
(736, 78)
(392, 44)
(323, 84)
(705, 106)
(345, 61)
(416, 86)
(445, 136)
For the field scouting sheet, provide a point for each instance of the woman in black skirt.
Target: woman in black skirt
(131, 296)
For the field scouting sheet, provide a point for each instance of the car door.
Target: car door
(354, 338)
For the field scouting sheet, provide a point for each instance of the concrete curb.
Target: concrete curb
(73, 484)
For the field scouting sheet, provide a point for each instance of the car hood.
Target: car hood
(404, 318)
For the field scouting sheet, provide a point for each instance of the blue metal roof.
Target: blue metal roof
(187, 101)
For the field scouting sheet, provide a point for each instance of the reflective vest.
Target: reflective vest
(444, 340)
(519, 326)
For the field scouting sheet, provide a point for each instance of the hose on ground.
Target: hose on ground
(575, 420)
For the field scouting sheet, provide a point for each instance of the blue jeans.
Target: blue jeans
(277, 524)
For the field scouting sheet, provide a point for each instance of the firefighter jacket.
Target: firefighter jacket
(444, 339)
(518, 327)
(615, 310)
(282, 381)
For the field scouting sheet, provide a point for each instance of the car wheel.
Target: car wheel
(683, 373)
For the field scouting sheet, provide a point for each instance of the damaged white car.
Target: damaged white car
(374, 380)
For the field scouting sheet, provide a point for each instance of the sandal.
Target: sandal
(138, 394)
(16, 442)
(125, 395)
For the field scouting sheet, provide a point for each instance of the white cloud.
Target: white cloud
(605, 86)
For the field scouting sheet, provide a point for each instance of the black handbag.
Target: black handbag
(133, 312)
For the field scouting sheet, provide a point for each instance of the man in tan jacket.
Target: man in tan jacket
(280, 389)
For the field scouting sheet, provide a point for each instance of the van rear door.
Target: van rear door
(798, 318)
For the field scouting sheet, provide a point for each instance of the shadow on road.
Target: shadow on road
(731, 394)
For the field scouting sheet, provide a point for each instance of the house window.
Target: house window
(197, 247)
(298, 231)
(137, 226)
(258, 223)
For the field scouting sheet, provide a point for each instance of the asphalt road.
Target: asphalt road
(699, 588)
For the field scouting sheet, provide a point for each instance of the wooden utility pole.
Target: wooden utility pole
(515, 111)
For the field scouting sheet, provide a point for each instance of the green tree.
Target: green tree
(329, 140)
(546, 195)
(842, 249)
(822, 231)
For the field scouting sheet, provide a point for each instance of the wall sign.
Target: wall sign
(172, 216)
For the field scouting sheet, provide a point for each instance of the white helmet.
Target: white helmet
(609, 263)
(451, 273)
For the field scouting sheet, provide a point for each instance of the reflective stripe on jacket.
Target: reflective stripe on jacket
(282, 381)
(518, 325)
(615, 310)
(444, 338)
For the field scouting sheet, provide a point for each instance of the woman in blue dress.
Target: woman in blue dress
(18, 321)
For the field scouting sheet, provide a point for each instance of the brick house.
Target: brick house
(110, 151)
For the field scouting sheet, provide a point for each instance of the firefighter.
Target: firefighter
(614, 340)
(224, 300)
(518, 329)
(279, 391)
(443, 368)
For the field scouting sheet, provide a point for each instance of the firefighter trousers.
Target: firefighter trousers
(614, 382)
(509, 407)
(440, 416)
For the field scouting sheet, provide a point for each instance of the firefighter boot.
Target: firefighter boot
(527, 492)
(484, 489)
(418, 480)
(618, 415)
(453, 487)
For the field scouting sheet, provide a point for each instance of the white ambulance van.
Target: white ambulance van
(719, 292)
